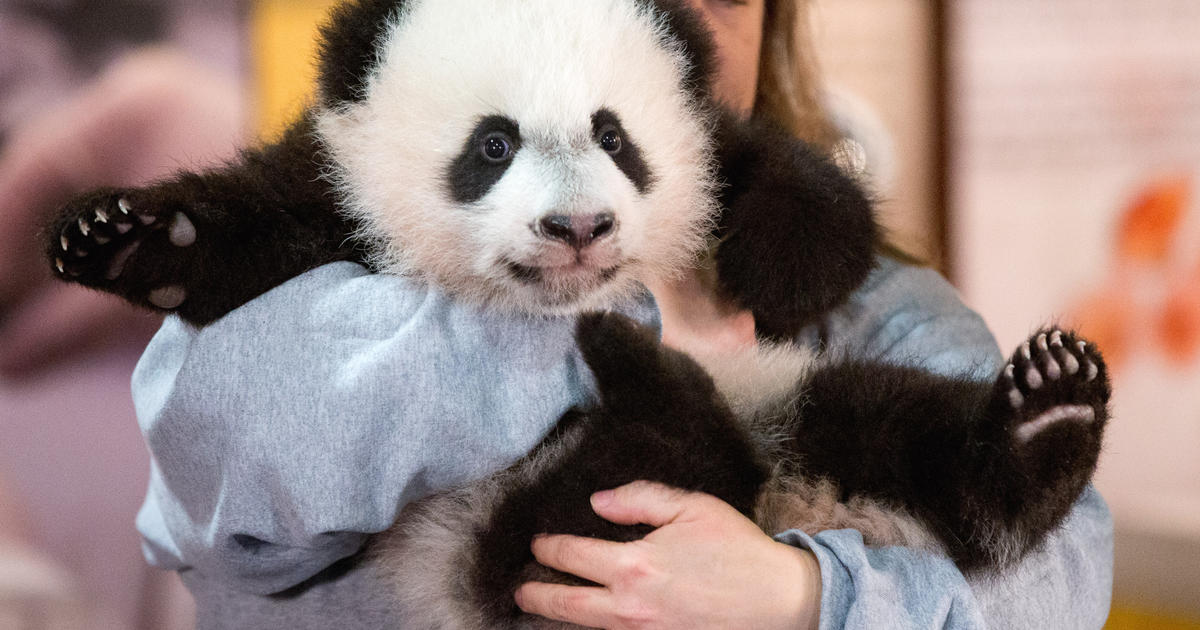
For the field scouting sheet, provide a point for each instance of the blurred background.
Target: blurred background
(1044, 155)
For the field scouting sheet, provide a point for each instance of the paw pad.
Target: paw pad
(96, 246)
(1052, 378)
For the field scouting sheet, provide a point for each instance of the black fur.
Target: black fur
(941, 449)
(660, 419)
(946, 449)
(794, 231)
(270, 215)
(471, 175)
(796, 238)
(350, 41)
(629, 157)
(259, 221)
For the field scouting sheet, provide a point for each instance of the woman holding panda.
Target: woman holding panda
(705, 565)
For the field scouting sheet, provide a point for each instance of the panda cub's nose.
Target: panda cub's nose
(578, 231)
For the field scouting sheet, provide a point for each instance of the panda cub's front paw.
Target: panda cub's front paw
(97, 236)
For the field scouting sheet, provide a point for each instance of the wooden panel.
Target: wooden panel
(283, 36)
(878, 58)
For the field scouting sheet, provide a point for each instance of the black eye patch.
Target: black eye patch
(609, 135)
(485, 156)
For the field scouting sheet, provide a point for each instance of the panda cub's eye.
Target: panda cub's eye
(610, 139)
(496, 147)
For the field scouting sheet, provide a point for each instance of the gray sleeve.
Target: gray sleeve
(285, 433)
(912, 316)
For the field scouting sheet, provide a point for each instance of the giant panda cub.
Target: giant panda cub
(548, 157)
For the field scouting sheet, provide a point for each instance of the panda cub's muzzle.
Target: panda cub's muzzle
(575, 252)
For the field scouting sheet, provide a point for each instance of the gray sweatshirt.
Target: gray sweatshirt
(283, 435)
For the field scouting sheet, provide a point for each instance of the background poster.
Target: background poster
(1075, 193)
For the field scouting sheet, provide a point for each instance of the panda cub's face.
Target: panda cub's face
(541, 155)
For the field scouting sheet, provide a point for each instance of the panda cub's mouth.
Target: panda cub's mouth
(579, 275)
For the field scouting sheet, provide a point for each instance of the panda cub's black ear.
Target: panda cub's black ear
(689, 29)
(797, 234)
(349, 46)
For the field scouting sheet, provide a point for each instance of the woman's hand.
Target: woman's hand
(706, 566)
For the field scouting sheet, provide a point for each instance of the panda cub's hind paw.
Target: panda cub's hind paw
(97, 236)
(1056, 390)
(1054, 376)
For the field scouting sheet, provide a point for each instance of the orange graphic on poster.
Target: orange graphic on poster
(1151, 302)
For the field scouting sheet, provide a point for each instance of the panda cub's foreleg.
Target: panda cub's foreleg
(202, 244)
(796, 233)
(989, 468)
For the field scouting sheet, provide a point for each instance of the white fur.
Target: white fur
(813, 506)
(759, 379)
(438, 74)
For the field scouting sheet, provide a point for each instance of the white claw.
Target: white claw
(123, 205)
(182, 232)
(1016, 399)
(1082, 345)
(1041, 342)
(1010, 371)
(1033, 378)
(84, 228)
(1056, 339)
(62, 240)
(101, 216)
(1092, 371)
(58, 264)
(1025, 351)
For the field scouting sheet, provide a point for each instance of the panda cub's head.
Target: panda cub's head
(541, 155)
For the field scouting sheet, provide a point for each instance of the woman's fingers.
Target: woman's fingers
(583, 605)
(646, 503)
(600, 561)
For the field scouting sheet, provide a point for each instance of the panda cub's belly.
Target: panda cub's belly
(764, 385)
(758, 380)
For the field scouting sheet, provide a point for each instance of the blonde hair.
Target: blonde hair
(789, 91)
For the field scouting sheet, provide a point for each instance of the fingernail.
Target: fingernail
(602, 498)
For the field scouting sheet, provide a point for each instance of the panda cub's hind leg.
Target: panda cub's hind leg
(1051, 403)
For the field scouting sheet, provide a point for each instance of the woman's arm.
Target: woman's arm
(285, 433)
(1066, 584)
